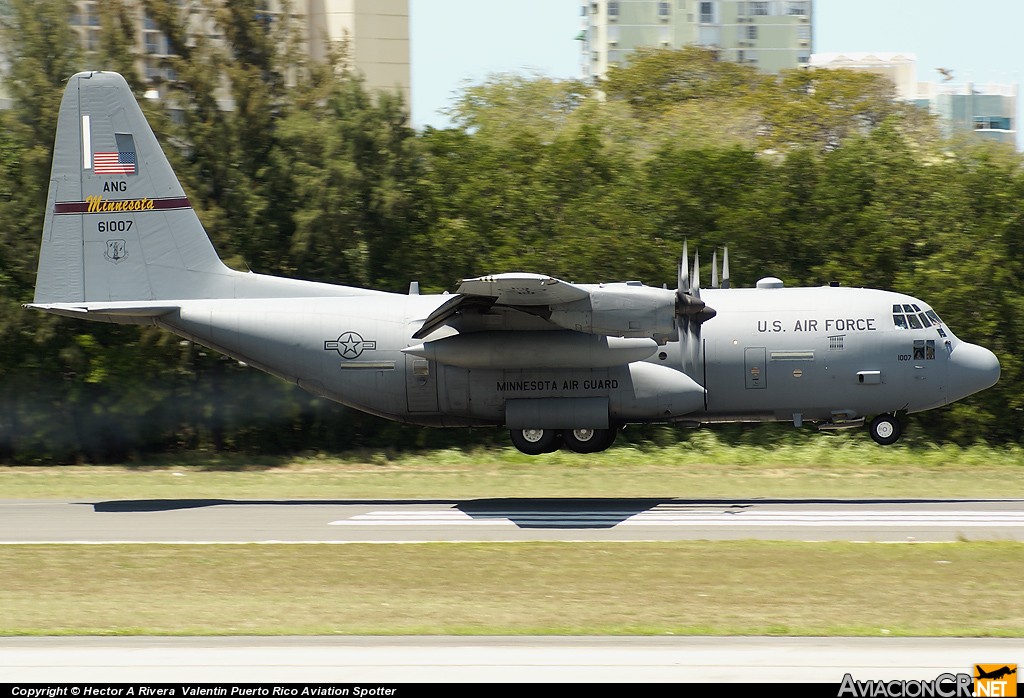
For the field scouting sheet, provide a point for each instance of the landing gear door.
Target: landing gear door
(755, 367)
(420, 384)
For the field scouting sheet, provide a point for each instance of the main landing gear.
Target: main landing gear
(534, 442)
(885, 429)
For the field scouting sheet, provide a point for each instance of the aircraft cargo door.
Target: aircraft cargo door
(420, 384)
(755, 367)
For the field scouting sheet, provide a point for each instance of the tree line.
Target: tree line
(810, 176)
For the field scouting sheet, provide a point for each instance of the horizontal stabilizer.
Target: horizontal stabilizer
(126, 310)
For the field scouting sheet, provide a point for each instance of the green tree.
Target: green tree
(825, 107)
(655, 79)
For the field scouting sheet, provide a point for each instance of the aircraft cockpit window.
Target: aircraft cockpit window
(909, 316)
(898, 318)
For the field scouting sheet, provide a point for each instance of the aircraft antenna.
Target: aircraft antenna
(714, 269)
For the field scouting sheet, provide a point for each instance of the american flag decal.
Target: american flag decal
(122, 163)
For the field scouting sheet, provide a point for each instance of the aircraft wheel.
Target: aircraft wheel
(885, 429)
(534, 442)
(588, 440)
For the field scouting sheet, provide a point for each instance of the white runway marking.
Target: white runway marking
(443, 517)
(675, 515)
(481, 659)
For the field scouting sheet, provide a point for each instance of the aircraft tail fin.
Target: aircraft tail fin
(118, 224)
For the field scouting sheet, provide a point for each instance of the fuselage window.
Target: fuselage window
(924, 350)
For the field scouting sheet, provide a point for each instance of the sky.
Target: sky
(459, 42)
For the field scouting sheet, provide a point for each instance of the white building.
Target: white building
(769, 34)
(900, 68)
(986, 111)
(377, 32)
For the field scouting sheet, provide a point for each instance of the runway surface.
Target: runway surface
(508, 519)
(367, 660)
(499, 659)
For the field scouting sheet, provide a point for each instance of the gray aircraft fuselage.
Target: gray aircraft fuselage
(769, 354)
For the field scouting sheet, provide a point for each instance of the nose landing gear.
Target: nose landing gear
(885, 429)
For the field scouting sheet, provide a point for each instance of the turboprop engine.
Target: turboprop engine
(627, 309)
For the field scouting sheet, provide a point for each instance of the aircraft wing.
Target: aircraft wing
(449, 309)
(516, 289)
(523, 289)
(627, 309)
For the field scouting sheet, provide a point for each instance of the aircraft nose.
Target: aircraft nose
(971, 369)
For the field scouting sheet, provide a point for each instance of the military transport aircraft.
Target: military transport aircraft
(556, 363)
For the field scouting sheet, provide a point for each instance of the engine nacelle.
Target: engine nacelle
(526, 349)
(621, 310)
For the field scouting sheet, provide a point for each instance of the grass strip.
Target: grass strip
(703, 466)
(737, 588)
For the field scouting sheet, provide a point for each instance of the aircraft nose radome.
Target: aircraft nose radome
(972, 369)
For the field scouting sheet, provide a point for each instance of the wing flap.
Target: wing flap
(449, 309)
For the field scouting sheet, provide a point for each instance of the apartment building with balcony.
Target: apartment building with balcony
(377, 33)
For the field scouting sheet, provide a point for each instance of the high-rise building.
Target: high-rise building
(376, 31)
(769, 34)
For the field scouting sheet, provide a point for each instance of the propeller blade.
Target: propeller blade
(695, 287)
(691, 311)
(688, 300)
(683, 280)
